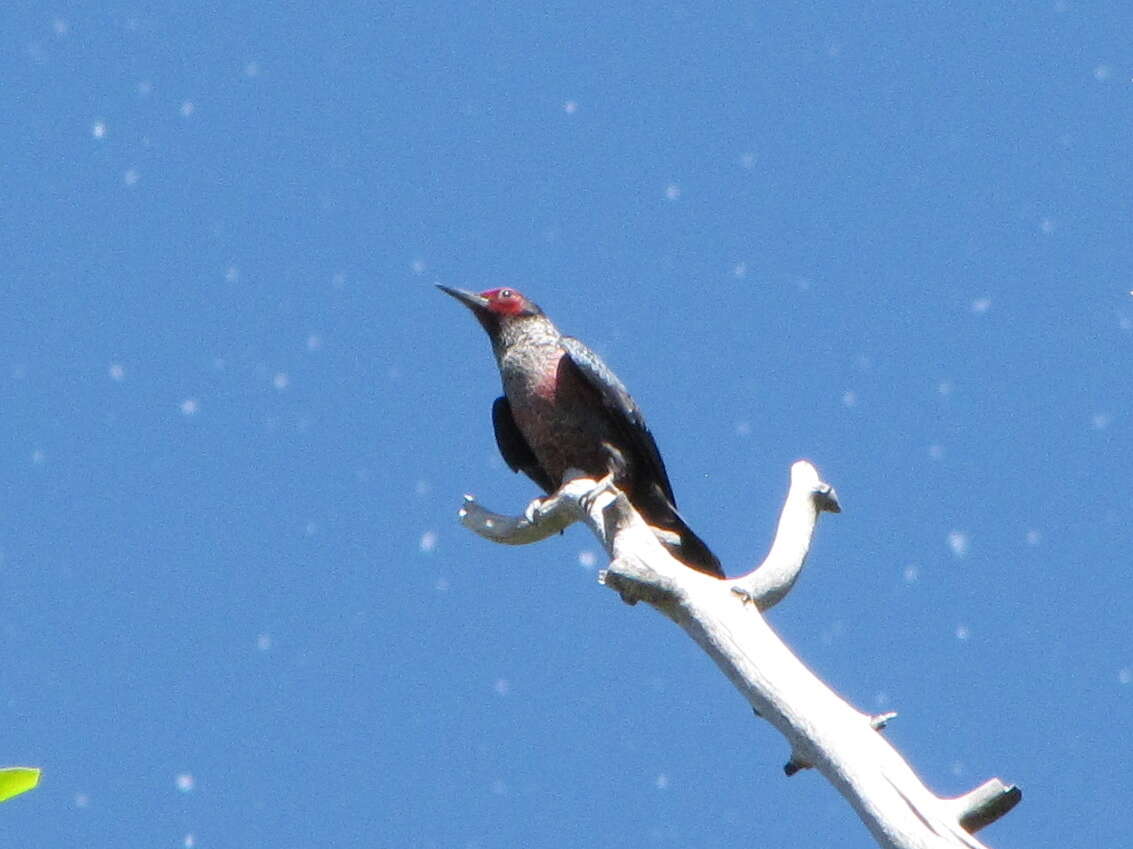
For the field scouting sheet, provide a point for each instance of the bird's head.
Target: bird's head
(494, 305)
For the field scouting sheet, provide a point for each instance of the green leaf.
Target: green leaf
(15, 780)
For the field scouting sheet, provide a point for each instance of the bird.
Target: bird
(563, 408)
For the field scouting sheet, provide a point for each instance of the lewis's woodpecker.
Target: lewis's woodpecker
(562, 408)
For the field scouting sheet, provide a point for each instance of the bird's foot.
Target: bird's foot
(533, 512)
(606, 484)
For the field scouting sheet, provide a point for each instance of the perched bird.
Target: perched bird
(562, 408)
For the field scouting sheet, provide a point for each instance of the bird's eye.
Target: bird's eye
(507, 294)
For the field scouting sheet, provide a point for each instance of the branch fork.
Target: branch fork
(725, 618)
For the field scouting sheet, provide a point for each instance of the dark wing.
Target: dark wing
(623, 411)
(514, 448)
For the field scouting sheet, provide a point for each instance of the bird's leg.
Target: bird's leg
(615, 466)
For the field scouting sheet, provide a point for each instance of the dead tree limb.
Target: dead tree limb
(724, 617)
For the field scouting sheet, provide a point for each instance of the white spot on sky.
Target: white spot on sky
(34, 51)
(418, 266)
(570, 107)
(441, 585)
(1100, 421)
(661, 782)
(743, 428)
(281, 381)
(739, 270)
(1103, 73)
(314, 342)
(963, 632)
(1047, 225)
(131, 176)
(98, 129)
(117, 372)
(185, 782)
(263, 642)
(672, 191)
(945, 388)
(189, 842)
(252, 69)
(310, 529)
(82, 800)
(849, 398)
(959, 542)
(501, 687)
(832, 633)
(747, 161)
(60, 27)
(981, 305)
(1125, 675)
(232, 274)
(187, 108)
(38, 457)
(428, 542)
(936, 451)
(587, 559)
(190, 407)
(1034, 537)
(911, 573)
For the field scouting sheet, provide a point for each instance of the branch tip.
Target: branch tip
(987, 803)
(880, 720)
(807, 498)
(743, 593)
(792, 766)
(826, 498)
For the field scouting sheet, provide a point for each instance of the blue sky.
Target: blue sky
(891, 238)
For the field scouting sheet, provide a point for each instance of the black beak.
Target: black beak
(470, 299)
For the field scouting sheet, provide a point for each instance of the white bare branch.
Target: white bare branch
(769, 583)
(823, 731)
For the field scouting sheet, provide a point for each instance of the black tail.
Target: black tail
(692, 551)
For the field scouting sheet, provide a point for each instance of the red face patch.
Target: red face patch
(505, 301)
